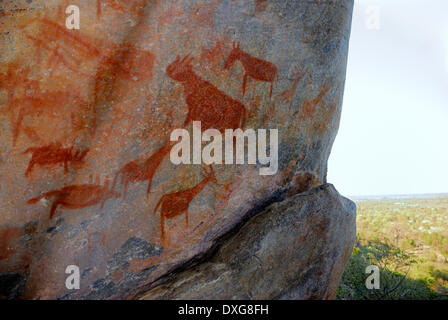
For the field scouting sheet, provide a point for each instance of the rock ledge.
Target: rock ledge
(294, 249)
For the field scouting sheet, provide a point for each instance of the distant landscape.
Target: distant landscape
(406, 236)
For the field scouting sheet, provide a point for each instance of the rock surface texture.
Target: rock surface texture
(85, 173)
(293, 249)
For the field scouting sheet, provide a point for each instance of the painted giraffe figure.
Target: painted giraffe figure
(287, 96)
(177, 203)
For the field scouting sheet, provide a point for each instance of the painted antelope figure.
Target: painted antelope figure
(77, 196)
(177, 203)
(53, 153)
(205, 102)
(257, 69)
(133, 171)
(287, 96)
(307, 108)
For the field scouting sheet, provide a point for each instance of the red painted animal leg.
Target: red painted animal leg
(16, 129)
(243, 120)
(125, 189)
(273, 107)
(244, 83)
(114, 182)
(186, 218)
(29, 169)
(162, 226)
(187, 120)
(54, 206)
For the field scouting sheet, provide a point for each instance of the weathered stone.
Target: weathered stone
(85, 122)
(294, 249)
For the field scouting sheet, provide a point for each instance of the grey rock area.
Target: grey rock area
(294, 249)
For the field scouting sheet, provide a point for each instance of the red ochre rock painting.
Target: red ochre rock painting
(101, 101)
(177, 203)
(256, 68)
(133, 171)
(41, 104)
(287, 96)
(205, 102)
(54, 154)
(77, 196)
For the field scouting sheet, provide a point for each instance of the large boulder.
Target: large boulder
(85, 167)
(293, 249)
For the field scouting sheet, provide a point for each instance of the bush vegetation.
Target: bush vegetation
(408, 240)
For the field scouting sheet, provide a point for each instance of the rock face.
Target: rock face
(294, 249)
(86, 172)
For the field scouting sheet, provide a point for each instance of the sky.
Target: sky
(393, 135)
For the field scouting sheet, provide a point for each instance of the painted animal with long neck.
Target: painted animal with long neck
(177, 203)
(287, 96)
(307, 108)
